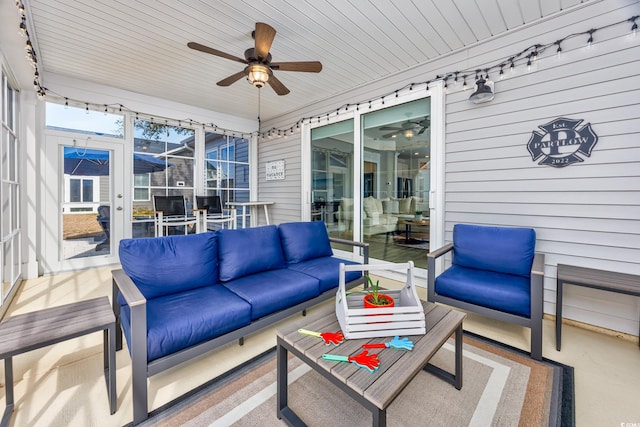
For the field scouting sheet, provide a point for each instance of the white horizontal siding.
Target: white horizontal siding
(586, 214)
(285, 193)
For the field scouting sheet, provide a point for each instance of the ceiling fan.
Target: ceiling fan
(259, 69)
(408, 128)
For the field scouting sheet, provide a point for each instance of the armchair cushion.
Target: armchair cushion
(302, 241)
(249, 250)
(167, 265)
(499, 291)
(499, 249)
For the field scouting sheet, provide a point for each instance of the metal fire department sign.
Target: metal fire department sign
(562, 142)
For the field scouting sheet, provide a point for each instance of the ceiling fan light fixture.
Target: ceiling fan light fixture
(409, 133)
(258, 75)
(483, 92)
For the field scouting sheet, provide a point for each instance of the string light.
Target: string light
(634, 27)
(531, 53)
(590, 40)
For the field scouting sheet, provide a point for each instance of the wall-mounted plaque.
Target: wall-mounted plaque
(275, 170)
(562, 142)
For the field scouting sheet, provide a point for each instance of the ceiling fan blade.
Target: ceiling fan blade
(422, 131)
(304, 66)
(390, 128)
(212, 51)
(264, 36)
(231, 79)
(277, 85)
(389, 135)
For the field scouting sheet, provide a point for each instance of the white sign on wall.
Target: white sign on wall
(275, 170)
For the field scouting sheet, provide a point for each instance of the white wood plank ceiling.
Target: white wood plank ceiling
(141, 46)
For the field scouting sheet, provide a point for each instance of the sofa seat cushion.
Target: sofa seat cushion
(326, 270)
(178, 321)
(504, 292)
(504, 250)
(274, 290)
(302, 241)
(250, 250)
(165, 265)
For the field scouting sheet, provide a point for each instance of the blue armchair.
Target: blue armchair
(494, 272)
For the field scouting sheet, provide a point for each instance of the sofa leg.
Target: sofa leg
(536, 343)
(241, 341)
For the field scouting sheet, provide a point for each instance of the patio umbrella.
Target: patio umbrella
(90, 162)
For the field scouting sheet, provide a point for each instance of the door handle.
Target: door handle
(119, 208)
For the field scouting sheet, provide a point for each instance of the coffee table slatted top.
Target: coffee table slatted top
(397, 367)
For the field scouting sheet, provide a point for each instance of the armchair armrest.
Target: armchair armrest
(431, 269)
(538, 265)
(439, 252)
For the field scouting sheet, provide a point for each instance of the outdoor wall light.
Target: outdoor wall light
(483, 92)
(258, 75)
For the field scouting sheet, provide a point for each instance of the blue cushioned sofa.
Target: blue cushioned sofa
(177, 297)
(494, 272)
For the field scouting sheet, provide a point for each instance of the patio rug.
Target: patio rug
(502, 386)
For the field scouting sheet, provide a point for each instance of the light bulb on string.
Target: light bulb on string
(590, 40)
(559, 50)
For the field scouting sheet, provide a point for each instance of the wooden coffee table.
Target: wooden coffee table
(375, 391)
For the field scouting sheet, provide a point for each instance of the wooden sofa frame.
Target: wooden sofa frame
(141, 369)
(534, 322)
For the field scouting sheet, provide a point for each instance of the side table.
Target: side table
(30, 331)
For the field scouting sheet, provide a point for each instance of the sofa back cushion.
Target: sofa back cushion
(499, 249)
(302, 241)
(162, 266)
(249, 250)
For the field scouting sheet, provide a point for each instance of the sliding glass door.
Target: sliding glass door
(395, 181)
(384, 201)
(332, 177)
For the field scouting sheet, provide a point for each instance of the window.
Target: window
(10, 234)
(75, 119)
(163, 165)
(227, 168)
(141, 187)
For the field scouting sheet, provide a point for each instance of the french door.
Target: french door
(84, 201)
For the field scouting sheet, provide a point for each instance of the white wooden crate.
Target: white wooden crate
(405, 318)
